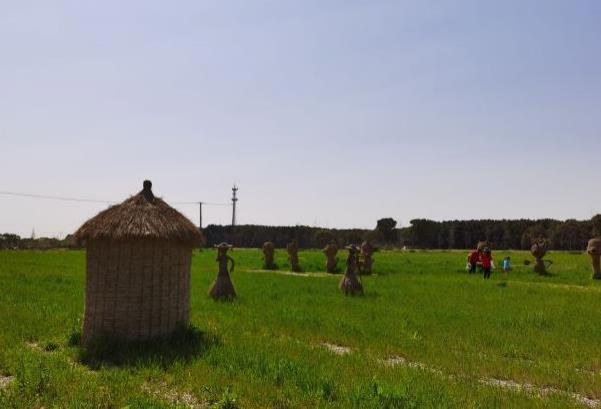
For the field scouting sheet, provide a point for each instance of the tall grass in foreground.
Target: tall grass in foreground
(265, 349)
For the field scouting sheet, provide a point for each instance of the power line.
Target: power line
(74, 199)
(203, 203)
(69, 199)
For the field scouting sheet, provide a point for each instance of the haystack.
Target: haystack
(292, 249)
(138, 268)
(539, 250)
(222, 288)
(594, 250)
(330, 252)
(268, 256)
(350, 284)
(367, 252)
(482, 244)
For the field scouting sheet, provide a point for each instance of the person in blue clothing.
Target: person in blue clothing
(507, 264)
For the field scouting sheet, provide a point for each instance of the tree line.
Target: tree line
(422, 233)
(504, 234)
(384, 234)
(10, 241)
(255, 235)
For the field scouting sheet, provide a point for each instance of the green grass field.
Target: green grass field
(426, 334)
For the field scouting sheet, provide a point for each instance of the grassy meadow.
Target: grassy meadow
(426, 334)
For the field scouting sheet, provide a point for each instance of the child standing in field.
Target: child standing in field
(486, 261)
(507, 264)
(472, 261)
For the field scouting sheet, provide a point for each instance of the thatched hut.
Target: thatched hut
(138, 268)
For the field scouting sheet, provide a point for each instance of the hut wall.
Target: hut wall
(136, 290)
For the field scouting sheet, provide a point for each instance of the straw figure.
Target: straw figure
(482, 244)
(539, 250)
(222, 288)
(350, 283)
(594, 250)
(367, 261)
(138, 269)
(331, 260)
(268, 254)
(292, 249)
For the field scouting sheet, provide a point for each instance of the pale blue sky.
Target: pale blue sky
(332, 113)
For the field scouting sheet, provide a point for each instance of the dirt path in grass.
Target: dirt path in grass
(569, 287)
(499, 383)
(336, 349)
(541, 391)
(291, 273)
(303, 274)
(170, 395)
(160, 391)
(5, 381)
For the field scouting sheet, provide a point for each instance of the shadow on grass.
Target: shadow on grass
(369, 294)
(184, 345)
(546, 274)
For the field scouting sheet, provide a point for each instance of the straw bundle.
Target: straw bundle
(222, 288)
(292, 249)
(330, 252)
(483, 244)
(367, 251)
(350, 284)
(594, 250)
(142, 216)
(539, 250)
(268, 255)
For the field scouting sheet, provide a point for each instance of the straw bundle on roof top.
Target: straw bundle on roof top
(142, 216)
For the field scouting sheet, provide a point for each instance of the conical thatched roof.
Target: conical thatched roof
(142, 216)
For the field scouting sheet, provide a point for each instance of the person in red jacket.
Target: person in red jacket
(472, 261)
(486, 261)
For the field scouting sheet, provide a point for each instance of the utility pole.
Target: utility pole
(200, 215)
(234, 200)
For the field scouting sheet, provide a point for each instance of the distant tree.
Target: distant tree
(425, 233)
(596, 225)
(354, 237)
(531, 234)
(452, 234)
(386, 229)
(405, 236)
(506, 241)
(567, 236)
(9, 241)
(323, 237)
